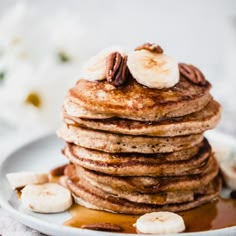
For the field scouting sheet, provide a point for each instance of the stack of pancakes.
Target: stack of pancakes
(135, 149)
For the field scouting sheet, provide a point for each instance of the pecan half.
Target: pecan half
(57, 171)
(103, 227)
(192, 73)
(70, 172)
(152, 47)
(116, 69)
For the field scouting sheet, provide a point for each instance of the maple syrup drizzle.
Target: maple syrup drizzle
(218, 214)
(82, 216)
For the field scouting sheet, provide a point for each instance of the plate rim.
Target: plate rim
(36, 223)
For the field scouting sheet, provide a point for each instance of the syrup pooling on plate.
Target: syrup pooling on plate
(218, 214)
(81, 216)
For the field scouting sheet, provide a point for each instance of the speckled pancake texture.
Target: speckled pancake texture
(133, 149)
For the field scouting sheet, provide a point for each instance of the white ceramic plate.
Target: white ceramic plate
(44, 154)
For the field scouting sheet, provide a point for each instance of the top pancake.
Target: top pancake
(194, 123)
(135, 101)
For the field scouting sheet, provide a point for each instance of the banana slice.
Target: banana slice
(63, 181)
(222, 153)
(95, 68)
(46, 198)
(154, 70)
(162, 222)
(21, 179)
(227, 163)
(228, 169)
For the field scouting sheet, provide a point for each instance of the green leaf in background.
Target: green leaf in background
(63, 57)
(2, 75)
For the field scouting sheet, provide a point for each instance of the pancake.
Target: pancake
(136, 165)
(102, 200)
(114, 143)
(160, 198)
(75, 110)
(145, 184)
(135, 101)
(194, 123)
(134, 149)
(94, 155)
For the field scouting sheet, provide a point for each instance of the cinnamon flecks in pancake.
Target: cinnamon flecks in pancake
(137, 165)
(193, 123)
(148, 184)
(106, 202)
(135, 101)
(120, 143)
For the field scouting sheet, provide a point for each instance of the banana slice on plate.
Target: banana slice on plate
(228, 169)
(154, 70)
(162, 222)
(63, 181)
(222, 153)
(46, 198)
(21, 179)
(227, 162)
(95, 68)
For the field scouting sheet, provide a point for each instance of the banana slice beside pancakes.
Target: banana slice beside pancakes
(38, 195)
(46, 198)
(228, 169)
(162, 222)
(21, 179)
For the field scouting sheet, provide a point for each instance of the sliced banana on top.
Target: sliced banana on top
(162, 222)
(21, 179)
(46, 198)
(95, 68)
(154, 70)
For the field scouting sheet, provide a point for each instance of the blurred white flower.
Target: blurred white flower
(32, 95)
(40, 57)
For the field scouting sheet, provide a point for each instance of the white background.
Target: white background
(190, 30)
